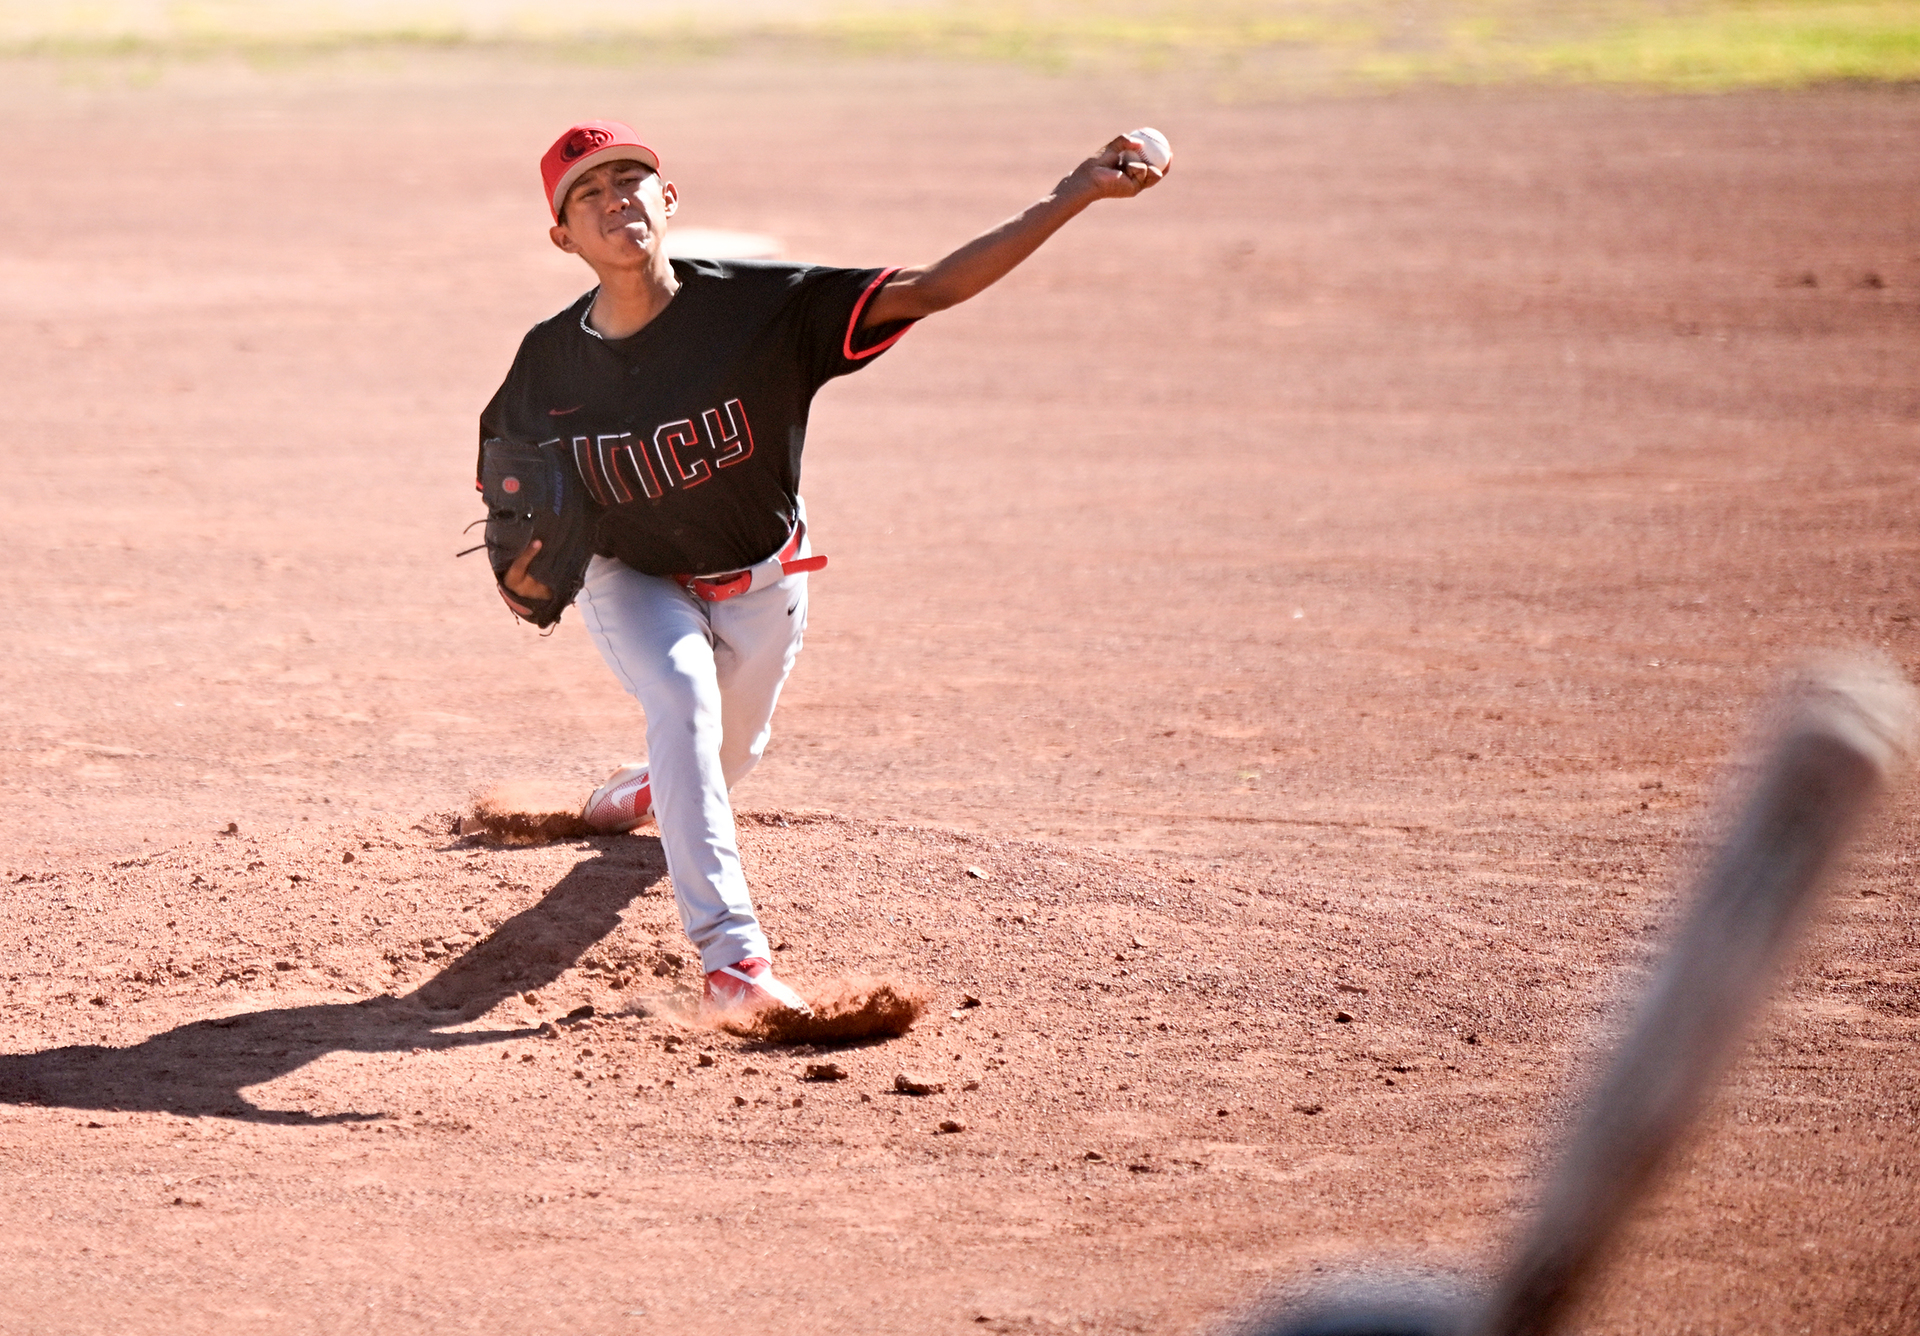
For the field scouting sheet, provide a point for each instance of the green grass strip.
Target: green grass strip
(1248, 46)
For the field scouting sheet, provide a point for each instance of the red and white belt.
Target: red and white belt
(731, 584)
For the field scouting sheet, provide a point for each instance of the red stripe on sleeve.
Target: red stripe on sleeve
(853, 322)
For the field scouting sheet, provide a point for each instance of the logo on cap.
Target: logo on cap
(584, 141)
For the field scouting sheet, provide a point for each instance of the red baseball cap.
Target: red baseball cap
(586, 145)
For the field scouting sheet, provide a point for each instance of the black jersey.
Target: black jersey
(689, 433)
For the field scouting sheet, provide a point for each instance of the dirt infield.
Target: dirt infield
(1328, 587)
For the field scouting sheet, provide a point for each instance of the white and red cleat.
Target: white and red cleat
(623, 802)
(748, 987)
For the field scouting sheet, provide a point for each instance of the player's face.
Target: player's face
(616, 215)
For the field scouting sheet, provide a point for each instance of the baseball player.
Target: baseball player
(679, 391)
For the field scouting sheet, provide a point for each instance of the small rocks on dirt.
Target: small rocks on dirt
(1094, 1156)
(913, 1083)
(952, 1125)
(1341, 1018)
(704, 1060)
(978, 874)
(579, 1013)
(825, 1071)
(968, 1000)
(1309, 1108)
(739, 1101)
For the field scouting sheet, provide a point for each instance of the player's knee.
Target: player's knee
(678, 697)
(737, 767)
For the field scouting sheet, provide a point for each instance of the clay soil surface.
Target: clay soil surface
(1279, 653)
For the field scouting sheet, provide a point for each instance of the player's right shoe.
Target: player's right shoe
(623, 802)
(742, 989)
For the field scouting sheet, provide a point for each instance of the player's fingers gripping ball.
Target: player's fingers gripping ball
(1154, 150)
(1134, 161)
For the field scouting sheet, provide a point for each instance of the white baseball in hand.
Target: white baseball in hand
(1155, 151)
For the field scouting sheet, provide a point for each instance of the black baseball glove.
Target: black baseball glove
(532, 492)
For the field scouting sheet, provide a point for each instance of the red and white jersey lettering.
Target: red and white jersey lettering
(733, 436)
(671, 440)
(615, 472)
(620, 456)
(689, 434)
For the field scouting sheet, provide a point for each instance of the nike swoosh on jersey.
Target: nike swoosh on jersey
(562, 412)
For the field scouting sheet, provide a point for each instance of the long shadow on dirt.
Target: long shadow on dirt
(199, 1069)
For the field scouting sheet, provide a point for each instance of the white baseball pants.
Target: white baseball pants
(707, 675)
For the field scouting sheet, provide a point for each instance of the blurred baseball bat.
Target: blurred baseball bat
(1841, 731)
(1841, 734)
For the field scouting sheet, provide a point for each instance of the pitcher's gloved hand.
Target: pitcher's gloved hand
(540, 525)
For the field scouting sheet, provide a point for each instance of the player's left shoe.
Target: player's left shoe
(742, 989)
(623, 802)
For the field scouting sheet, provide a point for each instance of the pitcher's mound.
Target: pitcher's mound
(843, 1010)
(527, 812)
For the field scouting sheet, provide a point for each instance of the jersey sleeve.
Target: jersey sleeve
(493, 418)
(832, 303)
